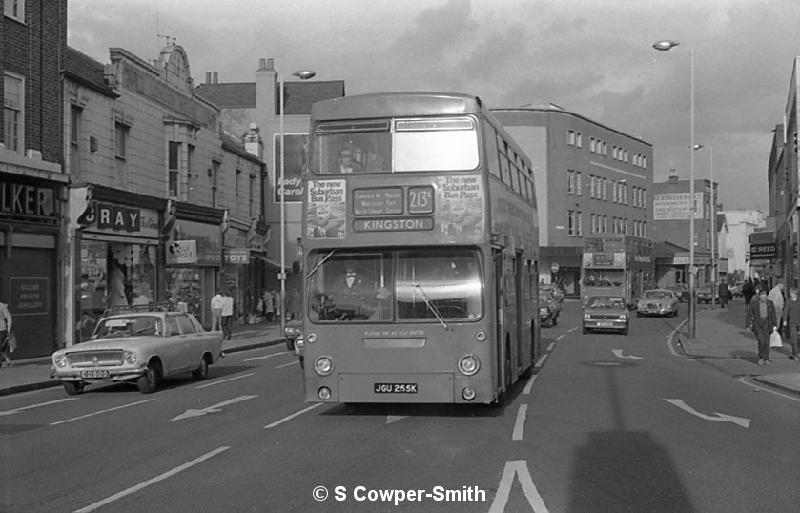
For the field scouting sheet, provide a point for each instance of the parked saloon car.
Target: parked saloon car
(657, 302)
(605, 313)
(140, 347)
(703, 295)
(554, 290)
(549, 308)
(681, 291)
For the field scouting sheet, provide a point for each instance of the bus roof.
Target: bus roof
(372, 105)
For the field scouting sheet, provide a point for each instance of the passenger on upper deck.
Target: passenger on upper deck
(347, 162)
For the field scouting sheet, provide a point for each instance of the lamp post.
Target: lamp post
(713, 218)
(665, 46)
(302, 75)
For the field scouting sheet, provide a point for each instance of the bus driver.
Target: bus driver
(350, 298)
(347, 162)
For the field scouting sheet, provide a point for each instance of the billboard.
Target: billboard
(676, 206)
(294, 160)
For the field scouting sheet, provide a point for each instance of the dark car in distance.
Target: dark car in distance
(681, 291)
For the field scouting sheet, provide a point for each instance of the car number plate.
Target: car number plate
(95, 373)
(396, 388)
(605, 324)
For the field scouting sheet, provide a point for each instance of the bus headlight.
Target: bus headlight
(323, 365)
(469, 365)
(324, 393)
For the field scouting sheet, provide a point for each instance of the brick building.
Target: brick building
(32, 180)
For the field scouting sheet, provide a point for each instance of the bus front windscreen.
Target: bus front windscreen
(399, 146)
(419, 285)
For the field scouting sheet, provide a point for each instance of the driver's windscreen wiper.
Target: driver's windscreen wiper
(430, 305)
(322, 261)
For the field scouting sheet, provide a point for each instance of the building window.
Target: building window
(578, 140)
(579, 183)
(236, 184)
(173, 167)
(604, 189)
(121, 132)
(252, 198)
(214, 175)
(591, 145)
(15, 9)
(571, 219)
(570, 181)
(75, 140)
(13, 112)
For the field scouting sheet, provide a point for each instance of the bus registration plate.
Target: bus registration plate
(395, 388)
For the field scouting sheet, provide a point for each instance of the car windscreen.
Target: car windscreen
(123, 327)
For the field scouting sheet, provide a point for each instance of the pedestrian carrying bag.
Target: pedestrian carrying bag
(775, 339)
(12, 341)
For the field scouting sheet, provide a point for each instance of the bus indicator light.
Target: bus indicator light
(324, 393)
(480, 336)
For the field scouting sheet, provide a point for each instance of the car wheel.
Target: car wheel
(555, 320)
(625, 331)
(290, 344)
(149, 381)
(585, 331)
(201, 372)
(73, 387)
(302, 366)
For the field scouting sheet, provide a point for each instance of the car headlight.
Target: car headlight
(299, 341)
(623, 317)
(543, 310)
(469, 365)
(587, 316)
(60, 360)
(323, 365)
(130, 357)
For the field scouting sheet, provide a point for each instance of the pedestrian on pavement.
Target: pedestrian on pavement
(764, 320)
(748, 291)
(722, 291)
(216, 311)
(778, 298)
(227, 315)
(791, 321)
(5, 334)
(269, 305)
(293, 306)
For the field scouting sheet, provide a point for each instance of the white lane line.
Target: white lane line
(225, 380)
(37, 405)
(551, 346)
(510, 470)
(165, 475)
(99, 412)
(519, 424)
(287, 364)
(273, 355)
(541, 361)
(528, 386)
(608, 363)
(561, 337)
(572, 329)
(290, 417)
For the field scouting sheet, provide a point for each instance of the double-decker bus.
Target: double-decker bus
(420, 248)
(617, 265)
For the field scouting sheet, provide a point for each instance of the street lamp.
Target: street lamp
(302, 75)
(665, 46)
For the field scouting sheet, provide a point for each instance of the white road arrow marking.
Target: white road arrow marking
(37, 405)
(618, 354)
(720, 417)
(511, 469)
(394, 418)
(191, 412)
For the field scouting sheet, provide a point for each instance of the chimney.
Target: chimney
(673, 176)
(214, 77)
(208, 77)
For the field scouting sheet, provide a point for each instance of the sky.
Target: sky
(591, 57)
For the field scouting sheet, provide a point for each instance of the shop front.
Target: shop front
(117, 260)
(30, 249)
(243, 270)
(193, 258)
(562, 266)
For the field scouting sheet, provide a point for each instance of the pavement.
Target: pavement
(34, 373)
(722, 342)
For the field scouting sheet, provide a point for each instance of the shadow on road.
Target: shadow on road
(623, 470)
